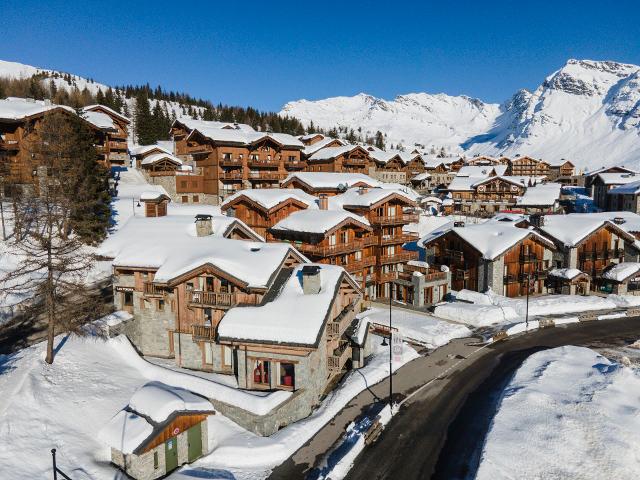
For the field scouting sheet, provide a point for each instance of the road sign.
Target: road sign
(396, 347)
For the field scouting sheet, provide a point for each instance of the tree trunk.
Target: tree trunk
(51, 327)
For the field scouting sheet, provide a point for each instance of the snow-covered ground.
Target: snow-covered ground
(418, 327)
(567, 413)
(489, 308)
(92, 379)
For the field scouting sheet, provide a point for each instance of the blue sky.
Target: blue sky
(266, 53)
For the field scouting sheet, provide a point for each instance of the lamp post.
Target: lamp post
(384, 344)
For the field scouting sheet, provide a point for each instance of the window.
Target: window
(196, 199)
(208, 316)
(208, 284)
(128, 299)
(185, 199)
(261, 372)
(224, 286)
(208, 353)
(160, 305)
(227, 355)
(287, 374)
(227, 156)
(155, 460)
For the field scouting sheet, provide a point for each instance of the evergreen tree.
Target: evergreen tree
(379, 140)
(144, 121)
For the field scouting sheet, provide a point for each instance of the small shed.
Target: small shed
(568, 281)
(162, 428)
(622, 279)
(155, 203)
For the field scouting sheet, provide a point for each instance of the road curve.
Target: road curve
(411, 444)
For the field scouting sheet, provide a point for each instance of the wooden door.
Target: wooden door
(194, 437)
(171, 454)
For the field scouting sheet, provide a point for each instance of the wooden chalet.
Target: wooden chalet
(334, 237)
(327, 183)
(387, 212)
(262, 209)
(528, 167)
(494, 254)
(485, 196)
(343, 159)
(389, 167)
(232, 159)
(114, 149)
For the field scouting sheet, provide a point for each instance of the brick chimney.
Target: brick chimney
(323, 202)
(311, 279)
(204, 225)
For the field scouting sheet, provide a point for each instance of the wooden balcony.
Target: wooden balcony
(396, 239)
(601, 254)
(354, 161)
(295, 165)
(230, 162)
(398, 257)
(336, 361)
(384, 277)
(117, 145)
(266, 176)
(259, 162)
(152, 290)
(354, 267)
(203, 333)
(231, 176)
(199, 149)
(428, 277)
(368, 262)
(402, 218)
(199, 298)
(328, 250)
(338, 325)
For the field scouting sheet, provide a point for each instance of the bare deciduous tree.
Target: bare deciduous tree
(53, 262)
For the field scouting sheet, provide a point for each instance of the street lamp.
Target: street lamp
(384, 344)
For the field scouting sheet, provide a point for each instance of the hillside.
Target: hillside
(586, 111)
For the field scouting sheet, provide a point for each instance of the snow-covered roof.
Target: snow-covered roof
(481, 170)
(270, 197)
(385, 157)
(158, 401)
(125, 431)
(632, 188)
(292, 318)
(153, 195)
(491, 239)
(170, 245)
(157, 157)
(144, 149)
(605, 169)
(365, 197)
(151, 405)
(565, 273)
(99, 119)
(332, 152)
(202, 125)
(311, 149)
(421, 176)
(326, 180)
(621, 271)
(110, 111)
(618, 178)
(544, 194)
(317, 221)
(571, 229)
(14, 108)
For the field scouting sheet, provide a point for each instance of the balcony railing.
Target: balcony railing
(231, 162)
(203, 332)
(151, 290)
(601, 254)
(295, 165)
(199, 149)
(327, 250)
(398, 257)
(117, 145)
(384, 277)
(354, 161)
(270, 176)
(212, 299)
(354, 267)
(338, 325)
(340, 356)
(234, 176)
(259, 162)
(428, 277)
(394, 219)
(402, 238)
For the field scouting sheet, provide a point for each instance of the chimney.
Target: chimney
(363, 189)
(323, 202)
(619, 220)
(310, 279)
(537, 220)
(458, 224)
(204, 225)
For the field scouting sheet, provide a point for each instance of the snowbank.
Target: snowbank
(625, 300)
(580, 415)
(475, 315)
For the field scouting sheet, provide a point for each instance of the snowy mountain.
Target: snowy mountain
(588, 112)
(415, 118)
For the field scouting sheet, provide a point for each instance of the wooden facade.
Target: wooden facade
(114, 149)
(353, 160)
(488, 196)
(528, 167)
(257, 216)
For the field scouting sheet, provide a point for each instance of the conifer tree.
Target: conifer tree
(144, 121)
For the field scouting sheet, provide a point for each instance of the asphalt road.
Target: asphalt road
(410, 446)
